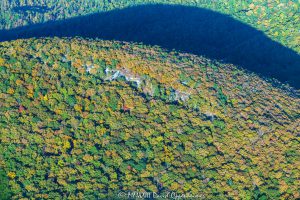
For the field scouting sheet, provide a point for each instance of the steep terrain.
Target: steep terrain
(86, 119)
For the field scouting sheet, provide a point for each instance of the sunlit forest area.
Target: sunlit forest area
(102, 99)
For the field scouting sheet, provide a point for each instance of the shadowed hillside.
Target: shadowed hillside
(188, 29)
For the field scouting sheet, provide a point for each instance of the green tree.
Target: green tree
(5, 192)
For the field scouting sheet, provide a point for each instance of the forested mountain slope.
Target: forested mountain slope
(279, 19)
(82, 119)
(193, 30)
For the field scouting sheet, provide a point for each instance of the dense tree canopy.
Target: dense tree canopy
(83, 119)
(87, 119)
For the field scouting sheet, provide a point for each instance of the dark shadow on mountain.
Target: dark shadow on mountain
(187, 29)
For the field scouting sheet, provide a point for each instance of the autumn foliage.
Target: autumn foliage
(74, 124)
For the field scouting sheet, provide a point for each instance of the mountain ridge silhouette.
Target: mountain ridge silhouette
(187, 29)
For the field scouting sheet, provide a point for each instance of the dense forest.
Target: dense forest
(191, 97)
(82, 119)
(278, 19)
